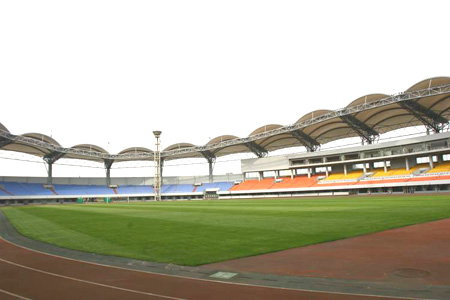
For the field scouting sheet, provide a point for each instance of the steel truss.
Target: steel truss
(311, 144)
(256, 149)
(428, 117)
(429, 92)
(52, 157)
(366, 133)
(398, 98)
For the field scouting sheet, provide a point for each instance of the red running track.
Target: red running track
(421, 250)
(28, 274)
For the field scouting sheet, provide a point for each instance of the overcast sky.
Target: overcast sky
(110, 72)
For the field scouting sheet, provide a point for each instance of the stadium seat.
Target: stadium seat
(443, 167)
(269, 183)
(341, 176)
(24, 189)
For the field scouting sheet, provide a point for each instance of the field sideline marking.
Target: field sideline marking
(14, 295)
(200, 279)
(89, 282)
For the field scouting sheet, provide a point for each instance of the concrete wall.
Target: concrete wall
(265, 164)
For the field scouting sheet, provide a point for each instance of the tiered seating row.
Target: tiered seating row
(441, 168)
(270, 184)
(342, 176)
(398, 171)
(22, 189)
(37, 189)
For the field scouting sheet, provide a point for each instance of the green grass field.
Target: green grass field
(199, 232)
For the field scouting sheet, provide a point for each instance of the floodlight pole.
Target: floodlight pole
(157, 161)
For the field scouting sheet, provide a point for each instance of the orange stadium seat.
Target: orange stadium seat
(254, 184)
(269, 183)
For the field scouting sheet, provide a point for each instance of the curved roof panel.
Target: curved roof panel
(367, 99)
(265, 128)
(136, 153)
(314, 114)
(428, 83)
(227, 150)
(241, 148)
(279, 141)
(32, 146)
(89, 148)
(221, 138)
(179, 146)
(42, 138)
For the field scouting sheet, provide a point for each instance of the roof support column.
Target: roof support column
(211, 168)
(211, 159)
(108, 163)
(50, 159)
(50, 173)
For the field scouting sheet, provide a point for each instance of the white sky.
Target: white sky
(110, 72)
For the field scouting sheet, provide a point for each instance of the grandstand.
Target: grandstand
(408, 165)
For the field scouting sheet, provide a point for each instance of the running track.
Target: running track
(28, 274)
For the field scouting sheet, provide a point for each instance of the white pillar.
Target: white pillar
(309, 172)
(260, 176)
(292, 173)
(431, 162)
(345, 169)
(364, 168)
(385, 166)
(326, 171)
(407, 163)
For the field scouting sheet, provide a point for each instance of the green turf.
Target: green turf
(199, 232)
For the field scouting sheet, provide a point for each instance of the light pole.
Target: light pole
(157, 159)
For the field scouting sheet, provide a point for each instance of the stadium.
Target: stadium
(289, 223)
(415, 164)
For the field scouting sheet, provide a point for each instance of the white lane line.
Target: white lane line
(208, 280)
(14, 295)
(88, 282)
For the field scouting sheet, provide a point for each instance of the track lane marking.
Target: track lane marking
(14, 295)
(88, 282)
(201, 279)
